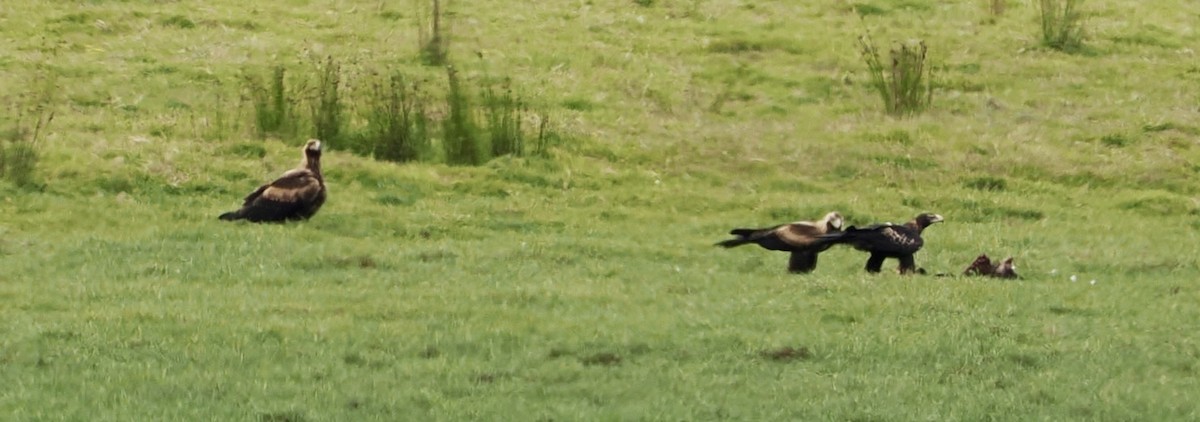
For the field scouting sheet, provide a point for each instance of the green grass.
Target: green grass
(1061, 24)
(905, 82)
(580, 283)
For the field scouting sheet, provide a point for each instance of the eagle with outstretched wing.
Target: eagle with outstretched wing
(799, 238)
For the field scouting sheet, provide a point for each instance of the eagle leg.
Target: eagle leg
(875, 262)
(802, 262)
(907, 264)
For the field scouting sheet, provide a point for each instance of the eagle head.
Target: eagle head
(1006, 269)
(312, 146)
(1007, 265)
(927, 219)
(833, 221)
(312, 156)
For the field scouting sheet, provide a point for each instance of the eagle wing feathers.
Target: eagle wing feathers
(800, 234)
(292, 187)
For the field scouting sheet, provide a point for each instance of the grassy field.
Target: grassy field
(583, 284)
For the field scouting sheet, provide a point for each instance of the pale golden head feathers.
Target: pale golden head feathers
(832, 221)
(313, 145)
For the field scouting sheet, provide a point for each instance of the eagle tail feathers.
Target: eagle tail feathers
(743, 237)
(732, 242)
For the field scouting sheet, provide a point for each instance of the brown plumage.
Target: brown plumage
(295, 195)
(983, 266)
(799, 238)
(886, 240)
(1006, 269)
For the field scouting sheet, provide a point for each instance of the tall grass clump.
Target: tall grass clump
(397, 125)
(326, 107)
(20, 137)
(460, 134)
(1062, 26)
(271, 101)
(995, 9)
(504, 113)
(214, 125)
(389, 119)
(905, 86)
(505, 116)
(545, 136)
(433, 37)
(19, 154)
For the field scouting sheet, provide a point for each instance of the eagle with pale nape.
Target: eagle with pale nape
(295, 195)
(799, 238)
(885, 241)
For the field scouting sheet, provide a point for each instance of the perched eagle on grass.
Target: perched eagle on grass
(296, 195)
(800, 238)
(884, 241)
(983, 266)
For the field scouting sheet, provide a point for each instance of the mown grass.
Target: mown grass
(581, 283)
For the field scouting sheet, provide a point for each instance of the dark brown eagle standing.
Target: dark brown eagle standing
(887, 240)
(296, 195)
(799, 238)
